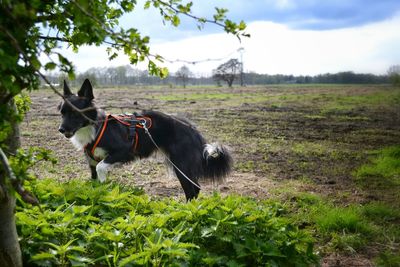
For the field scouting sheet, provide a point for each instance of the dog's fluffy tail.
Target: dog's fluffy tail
(217, 162)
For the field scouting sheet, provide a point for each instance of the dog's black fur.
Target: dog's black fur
(177, 138)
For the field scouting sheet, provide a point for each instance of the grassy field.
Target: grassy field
(330, 154)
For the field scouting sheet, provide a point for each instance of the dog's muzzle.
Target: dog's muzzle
(67, 134)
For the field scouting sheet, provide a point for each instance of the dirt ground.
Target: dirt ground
(297, 138)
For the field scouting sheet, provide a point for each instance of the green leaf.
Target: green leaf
(80, 209)
(50, 66)
(75, 259)
(242, 25)
(42, 256)
(163, 72)
(176, 21)
(132, 258)
(35, 63)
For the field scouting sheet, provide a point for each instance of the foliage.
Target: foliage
(331, 78)
(22, 104)
(86, 223)
(25, 159)
(394, 74)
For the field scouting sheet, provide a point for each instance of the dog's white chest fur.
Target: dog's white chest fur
(83, 136)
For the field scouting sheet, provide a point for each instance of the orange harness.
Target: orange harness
(130, 121)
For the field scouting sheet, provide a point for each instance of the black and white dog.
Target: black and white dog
(109, 139)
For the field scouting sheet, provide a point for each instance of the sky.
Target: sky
(300, 37)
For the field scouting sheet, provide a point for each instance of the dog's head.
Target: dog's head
(73, 120)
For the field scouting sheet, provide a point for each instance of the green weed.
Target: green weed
(343, 229)
(381, 212)
(337, 219)
(385, 164)
(308, 199)
(245, 166)
(348, 242)
(86, 223)
(309, 148)
(388, 259)
(196, 96)
(347, 103)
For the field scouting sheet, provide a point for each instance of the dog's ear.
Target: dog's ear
(67, 91)
(86, 90)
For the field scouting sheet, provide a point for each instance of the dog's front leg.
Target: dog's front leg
(102, 170)
(93, 171)
(92, 165)
(104, 166)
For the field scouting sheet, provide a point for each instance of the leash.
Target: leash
(143, 123)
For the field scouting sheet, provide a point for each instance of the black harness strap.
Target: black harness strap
(132, 121)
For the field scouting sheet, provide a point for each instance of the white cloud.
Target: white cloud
(275, 48)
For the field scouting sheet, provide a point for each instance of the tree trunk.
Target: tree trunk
(10, 253)
(230, 82)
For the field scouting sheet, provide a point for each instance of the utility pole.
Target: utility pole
(241, 50)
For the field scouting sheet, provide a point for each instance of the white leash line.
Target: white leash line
(152, 140)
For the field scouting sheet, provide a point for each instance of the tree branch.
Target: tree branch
(80, 111)
(202, 20)
(45, 18)
(16, 45)
(115, 35)
(54, 38)
(66, 40)
(5, 99)
(26, 196)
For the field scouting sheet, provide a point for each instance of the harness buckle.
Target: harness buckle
(143, 123)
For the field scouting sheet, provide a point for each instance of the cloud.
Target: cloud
(322, 15)
(276, 48)
(315, 14)
(299, 14)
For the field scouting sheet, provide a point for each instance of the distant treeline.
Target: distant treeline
(126, 75)
(340, 77)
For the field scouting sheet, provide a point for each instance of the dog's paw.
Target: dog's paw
(102, 170)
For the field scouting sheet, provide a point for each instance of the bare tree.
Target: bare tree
(183, 74)
(227, 71)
